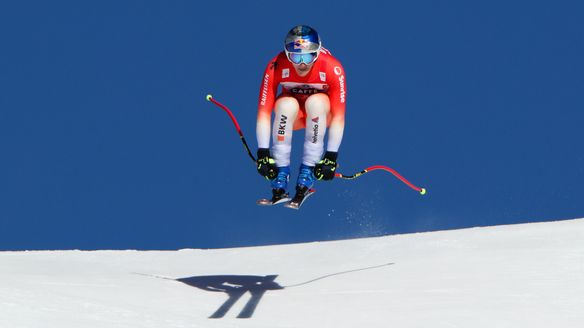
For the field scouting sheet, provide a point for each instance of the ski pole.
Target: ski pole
(220, 105)
(422, 191)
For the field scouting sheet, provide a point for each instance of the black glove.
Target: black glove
(325, 169)
(266, 164)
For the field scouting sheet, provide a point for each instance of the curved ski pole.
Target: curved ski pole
(422, 191)
(220, 105)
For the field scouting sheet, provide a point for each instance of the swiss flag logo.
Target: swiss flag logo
(281, 138)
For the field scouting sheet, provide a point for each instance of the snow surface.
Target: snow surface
(529, 275)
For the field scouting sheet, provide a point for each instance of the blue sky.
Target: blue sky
(107, 141)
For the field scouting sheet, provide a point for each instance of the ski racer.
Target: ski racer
(312, 97)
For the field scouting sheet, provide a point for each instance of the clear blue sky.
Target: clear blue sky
(106, 140)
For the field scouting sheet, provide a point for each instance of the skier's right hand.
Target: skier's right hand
(266, 164)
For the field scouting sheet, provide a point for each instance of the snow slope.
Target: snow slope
(529, 275)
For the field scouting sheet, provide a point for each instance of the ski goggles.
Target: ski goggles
(306, 58)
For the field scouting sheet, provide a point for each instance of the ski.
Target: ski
(300, 198)
(279, 196)
(270, 202)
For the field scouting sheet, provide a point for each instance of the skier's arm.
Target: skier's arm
(325, 169)
(337, 96)
(268, 89)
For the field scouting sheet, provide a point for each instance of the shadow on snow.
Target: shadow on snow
(235, 286)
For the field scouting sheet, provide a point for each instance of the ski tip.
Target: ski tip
(264, 202)
(209, 97)
(423, 191)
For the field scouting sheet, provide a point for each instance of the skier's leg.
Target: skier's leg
(286, 111)
(317, 109)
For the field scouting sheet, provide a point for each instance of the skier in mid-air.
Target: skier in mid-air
(313, 96)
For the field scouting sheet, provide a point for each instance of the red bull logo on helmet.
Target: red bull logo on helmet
(301, 44)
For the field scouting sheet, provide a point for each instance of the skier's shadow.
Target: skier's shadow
(235, 287)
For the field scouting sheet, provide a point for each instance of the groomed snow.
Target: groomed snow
(529, 275)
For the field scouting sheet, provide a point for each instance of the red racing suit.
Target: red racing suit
(326, 76)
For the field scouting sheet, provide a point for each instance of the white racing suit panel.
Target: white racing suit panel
(286, 112)
(317, 109)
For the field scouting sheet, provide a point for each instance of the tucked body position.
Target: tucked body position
(312, 97)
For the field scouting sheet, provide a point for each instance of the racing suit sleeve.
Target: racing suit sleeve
(337, 96)
(267, 98)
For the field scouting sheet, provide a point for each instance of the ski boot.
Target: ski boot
(279, 186)
(304, 185)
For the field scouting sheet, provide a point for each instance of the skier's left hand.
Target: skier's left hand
(325, 169)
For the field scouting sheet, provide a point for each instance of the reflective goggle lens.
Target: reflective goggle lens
(307, 58)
